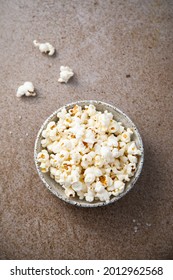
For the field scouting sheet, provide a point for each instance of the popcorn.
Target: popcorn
(99, 161)
(26, 89)
(78, 186)
(132, 149)
(64, 154)
(132, 159)
(105, 119)
(89, 178)
(124, 137)
(75, 158)
(87, 159)
(91, 110)
(106, 154)
(118, 184)
(115, 153)
(89, 137)
(44, 47)
(65, 74)
(43, 156)
(89, 195)
(77, 130)
(45, 166)
(80, 194)
(101, 192)
(103, 196)
(69, 192)
(96, 171)
(114, 127)
(112, 141)
(88, 153)
(130, 169)
(54, 171)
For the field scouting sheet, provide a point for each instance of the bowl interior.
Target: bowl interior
(55, 188)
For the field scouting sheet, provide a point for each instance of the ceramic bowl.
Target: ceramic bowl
(55, 188)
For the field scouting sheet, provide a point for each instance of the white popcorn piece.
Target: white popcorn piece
(125, 137)
(44, 166)
(105, 119)
(101, 192)
(94, 170)
(65, 74)
(45, 133)
(106, 154)
(44, 47)
(76, 111)
(88, 159)
(89, 178)
(119, 185)
(124, 159)
(77, 130)
(51, 126)
(64, 154)
(99, 187)
(97, 148)
(81, 195)
(130, 169)
(69, 192)
(75, 176)
(89, 195)
(108, 181)
(75, 158)
(89, 136)
(99, 161)
(114, 127)
(26, 89)
(123, 177)
(78, 186)
(62, 114)
(132, 159)
(112, 141)
(84, 118)
(132, 149)
(88, 153)
(43, 156)
(104, 196)
(53, 170)
(115, 153)
(91, 110)
(91, 123)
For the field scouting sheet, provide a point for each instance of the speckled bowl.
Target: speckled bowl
(55, 188)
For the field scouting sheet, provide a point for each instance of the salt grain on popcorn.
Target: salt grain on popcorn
(89, 153)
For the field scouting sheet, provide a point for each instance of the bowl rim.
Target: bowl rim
(85, 203)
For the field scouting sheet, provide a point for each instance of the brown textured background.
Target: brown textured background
(102, 41)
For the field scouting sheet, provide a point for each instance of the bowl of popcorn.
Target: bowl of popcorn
(89, 153)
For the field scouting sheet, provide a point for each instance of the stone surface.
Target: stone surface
(121, 53)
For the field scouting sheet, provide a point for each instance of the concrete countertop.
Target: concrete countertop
(121, 53)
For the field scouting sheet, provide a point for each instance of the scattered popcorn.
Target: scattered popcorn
(65, 74)
(88, 153)
(44, 47)
(26, 89)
